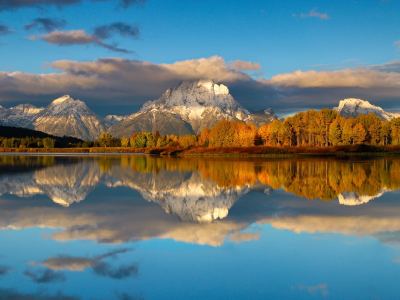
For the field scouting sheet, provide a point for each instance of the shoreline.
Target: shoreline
(356, 150)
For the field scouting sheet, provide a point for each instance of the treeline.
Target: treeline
(310, 129)
(28, 142)
(16, 137)
(328, 128)
(143, 140)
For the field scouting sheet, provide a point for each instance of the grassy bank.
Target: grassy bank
(356, 150)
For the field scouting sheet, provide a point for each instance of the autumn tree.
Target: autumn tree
(359, 134)
(105, 139)
(395, 130)
(385, 132)
(335, 132)
(124, 142)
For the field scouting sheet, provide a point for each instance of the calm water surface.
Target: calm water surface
(144, 227)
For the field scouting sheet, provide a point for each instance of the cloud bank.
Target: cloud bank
(132, 82)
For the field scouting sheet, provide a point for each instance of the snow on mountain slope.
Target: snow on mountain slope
(19, 116)
(261, 117)
(353, 107)
(113, 119)
(66, 116)
(200, 103)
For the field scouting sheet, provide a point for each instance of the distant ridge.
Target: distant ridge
(353, 107)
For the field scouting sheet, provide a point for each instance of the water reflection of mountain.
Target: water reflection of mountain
(184, 193)
(203, 191)
(170, 180)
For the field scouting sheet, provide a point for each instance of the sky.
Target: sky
(117, 54)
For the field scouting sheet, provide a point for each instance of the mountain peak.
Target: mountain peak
(202, 103)
(352, 107)
(192, 106)
(62, 99)
(208, 84)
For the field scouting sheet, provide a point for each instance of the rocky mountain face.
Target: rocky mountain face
(261, 117)
(66, 116)
(200, 104)
(151, 121)
(353, 107)
(22, 115)
(63, 116)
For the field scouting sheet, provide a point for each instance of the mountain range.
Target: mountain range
(63, 116)
(186, 109)
(352, 107)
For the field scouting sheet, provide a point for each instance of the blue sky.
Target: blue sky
(282, 36)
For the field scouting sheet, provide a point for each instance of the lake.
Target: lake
(146, 227)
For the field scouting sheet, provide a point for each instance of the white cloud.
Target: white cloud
(335, 79)
(313, 13)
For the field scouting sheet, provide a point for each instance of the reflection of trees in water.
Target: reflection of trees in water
(26, 161)
(312, 178)
(309, 178)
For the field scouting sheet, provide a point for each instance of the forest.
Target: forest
(312, 128)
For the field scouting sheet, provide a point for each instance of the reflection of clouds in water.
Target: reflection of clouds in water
(4, 270)
(239, 237)
(125, 296)
(71, 263)
(386, 230)
(45, 276)
(13, 294)
(321, 288)
(97, 264)
(106, 270)
(200, 192)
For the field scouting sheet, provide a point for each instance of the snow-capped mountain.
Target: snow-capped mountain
(200, 103)
(63, 116)
(353, 107)
(113, 119)
(66, 116)
(20, 116)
